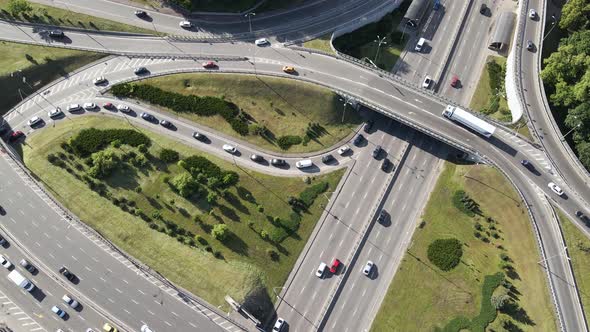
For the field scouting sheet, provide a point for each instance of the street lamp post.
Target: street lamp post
(346, 100)
(560, 254)
(249, 15)
(569, 132)
(554, 20)
(380, 41)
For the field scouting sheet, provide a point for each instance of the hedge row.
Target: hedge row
(202, 106)
(285, 142)
(92, 140)
(311, 193)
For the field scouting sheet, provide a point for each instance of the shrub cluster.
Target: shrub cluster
(202, 106)
(445, 253)
(311, 193)
(93, 140)
(169, 156)
(201, 165)
(465, 204)
(285, 142)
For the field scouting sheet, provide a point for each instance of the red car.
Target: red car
(209, 64)
(455, 81)
(335, 265)
(108, 105)
(16, 135)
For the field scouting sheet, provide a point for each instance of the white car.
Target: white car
(55, 113)
(343, 150)
(70, 301)
(185, 24)
(229, 148)
(278, 325)
(56, 310)
(145, 328)
(34, 120)
(261, 42)
(5, 262)
(368, 268)
(123, 108)
(427, 82)
(74, 107)
(99, 80)
(555, 188)
(532, 14)
(321, 269)
(89, 106)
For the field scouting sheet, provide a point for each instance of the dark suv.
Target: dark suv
(358, 139)
(377, 151)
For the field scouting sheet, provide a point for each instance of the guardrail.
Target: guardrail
(183, 295)
(76, 29)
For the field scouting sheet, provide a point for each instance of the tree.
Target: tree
(574, 15)
(220, 232)
(185, 184)
(499, 301)
(169, 156)
(103, 163)
(584, 153)
(212, 198)
(230, 179)
(18, 7)
(213, 182)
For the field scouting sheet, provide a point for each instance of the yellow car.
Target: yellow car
(288, 69)
(109, 328)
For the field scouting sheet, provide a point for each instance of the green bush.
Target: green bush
(445, 253)
(169, 156)
(220, 232)
(201, 165)
(285, 142)
(277, 234)
(201, 106)
(184, 184)
(308, 195)
(92, 140)
(291, 224)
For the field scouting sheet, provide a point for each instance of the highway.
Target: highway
(359, 301)
(504, 150)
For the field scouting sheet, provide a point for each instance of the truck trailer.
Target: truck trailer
(21, 281)
(469, 120)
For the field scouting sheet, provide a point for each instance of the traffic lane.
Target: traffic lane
(468, 56)
(344, 231)
(386, 241)
(49, 292)
(107, 273)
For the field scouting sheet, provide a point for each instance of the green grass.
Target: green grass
(482, 94)
(39, 64)
(284, 106)
(58, 16)
(438, 297)
(246, 265)
(321, 43)
(578, 247)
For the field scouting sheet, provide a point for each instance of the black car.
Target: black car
(483, 9)
(368, 126)
(584, 218)
(66, 273)
(199, 136)
(278, 162)
(28, 266)
(377, 151)
(148, 117)
(382, 216)
(327, 159)
(528, 165)
(2, 241)
(140, 13)
(358, 139)
(165, 124)
(140, 70)
(257, 158)
(56, 34)
(385, 165)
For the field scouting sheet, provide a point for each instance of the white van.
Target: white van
(304, 163)
(420, 45)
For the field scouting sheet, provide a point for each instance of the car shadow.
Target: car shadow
(311, 169)
(146, 18)
(285, 166)
(2, 211)
(79, 308)
(38, 294)
(39, 124)
(374, 273)
(263, 162)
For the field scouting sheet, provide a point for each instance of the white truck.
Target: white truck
(469, 120)
(21, 281)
